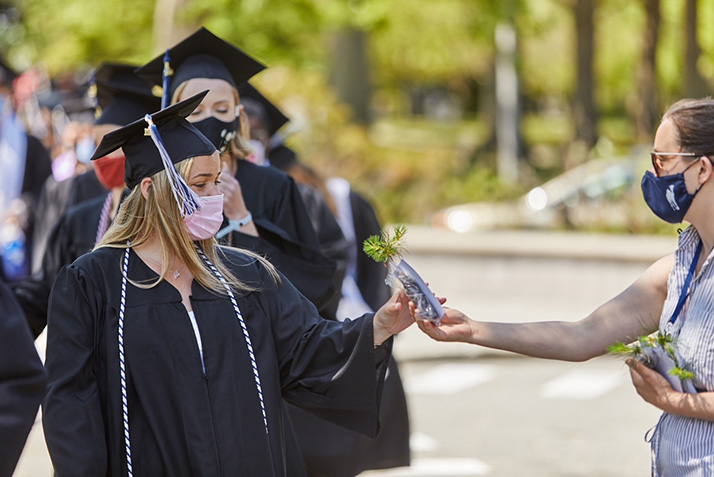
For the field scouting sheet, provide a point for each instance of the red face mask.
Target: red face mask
(110, 171)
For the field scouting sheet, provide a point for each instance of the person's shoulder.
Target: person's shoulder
(89, 206)
(248, 170)
(98, 261)
(37, 150)
(245, 266)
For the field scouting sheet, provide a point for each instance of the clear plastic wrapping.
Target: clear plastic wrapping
(403, 275)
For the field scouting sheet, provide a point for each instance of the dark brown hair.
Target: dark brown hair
(694, 121)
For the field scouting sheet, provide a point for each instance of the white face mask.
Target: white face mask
(258, 155)
(206, 221)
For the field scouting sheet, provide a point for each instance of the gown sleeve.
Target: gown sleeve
(328, 368)
(72, 416)
(22, 382)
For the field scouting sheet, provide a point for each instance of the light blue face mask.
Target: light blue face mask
(668, 196)
(84, 150)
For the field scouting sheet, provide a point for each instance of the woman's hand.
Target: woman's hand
(233, 204)
(652, 386)
(392, 318)
(455, 326)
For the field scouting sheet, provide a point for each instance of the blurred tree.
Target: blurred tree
(584, 110)
(694, 84)
(647, 107)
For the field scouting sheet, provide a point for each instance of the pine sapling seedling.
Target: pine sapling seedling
(387, 248)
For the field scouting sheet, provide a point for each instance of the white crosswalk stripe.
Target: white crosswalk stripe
(450, 378)
(582, 384)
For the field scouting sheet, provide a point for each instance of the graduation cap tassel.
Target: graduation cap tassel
(187, 200)
(166, 83)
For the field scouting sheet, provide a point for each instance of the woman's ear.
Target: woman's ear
(146, 185)
(706, 169)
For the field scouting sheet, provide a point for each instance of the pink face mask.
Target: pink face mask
(205, 222)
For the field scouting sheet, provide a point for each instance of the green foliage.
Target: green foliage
(385, 247)
(658, 340)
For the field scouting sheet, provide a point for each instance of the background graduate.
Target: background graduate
(22, 381)
(121, 97)
(169, 355)
(263, 208)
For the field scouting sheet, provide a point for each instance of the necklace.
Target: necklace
(176, 273)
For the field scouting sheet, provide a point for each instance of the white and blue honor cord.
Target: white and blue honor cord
(122, 364)
(246, 335)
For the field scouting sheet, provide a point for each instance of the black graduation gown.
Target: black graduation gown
(370, 274)
(286, 238)
(185, 423)
(85, 187)
(73, 235)
(22, 382)
(332, 451)
(55, 200)
(332, 242)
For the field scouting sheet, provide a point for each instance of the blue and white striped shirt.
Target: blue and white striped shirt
(684, 446)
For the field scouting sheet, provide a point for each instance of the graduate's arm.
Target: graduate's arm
(72, 417)
(632, 313)
(22, 381)
(328, 368)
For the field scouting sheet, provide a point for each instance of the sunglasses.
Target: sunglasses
(659, 158)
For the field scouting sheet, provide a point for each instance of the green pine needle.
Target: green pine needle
(384, 247)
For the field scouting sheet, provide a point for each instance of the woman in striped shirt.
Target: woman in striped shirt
(675, 295)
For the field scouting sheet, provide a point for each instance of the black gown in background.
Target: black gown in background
(22, 382)
(73, 235)
(184, 422)
(286, 238)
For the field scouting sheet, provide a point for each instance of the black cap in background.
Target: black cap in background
(257, 104)
(179, 137)
(121, 95)
(202, 55)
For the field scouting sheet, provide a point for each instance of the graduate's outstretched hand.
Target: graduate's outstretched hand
(455, 326)
(392, 318)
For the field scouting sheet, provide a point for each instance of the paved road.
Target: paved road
(479, 412)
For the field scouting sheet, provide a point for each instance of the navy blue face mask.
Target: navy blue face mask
(667, 196)
(220, 133)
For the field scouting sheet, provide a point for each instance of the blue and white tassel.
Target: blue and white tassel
(166, 81)
(187, 200)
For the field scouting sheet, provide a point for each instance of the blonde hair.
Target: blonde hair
(240, 147)
(139, 218)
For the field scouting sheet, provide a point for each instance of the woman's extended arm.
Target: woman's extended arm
(632, 313)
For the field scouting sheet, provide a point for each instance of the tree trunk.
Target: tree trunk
(167, 31)
(350, 72)
(647, 106)
(584, 104)
(507, 102)
(694, 84)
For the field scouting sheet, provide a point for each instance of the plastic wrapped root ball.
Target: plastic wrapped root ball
(402, 274)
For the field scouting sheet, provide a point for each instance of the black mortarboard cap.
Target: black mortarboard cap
(202, 55)
(179, 137)
(121, 95)
(7, 74)
(273, 118)
(282, 157)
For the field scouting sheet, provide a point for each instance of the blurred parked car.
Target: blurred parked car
(602, 193)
